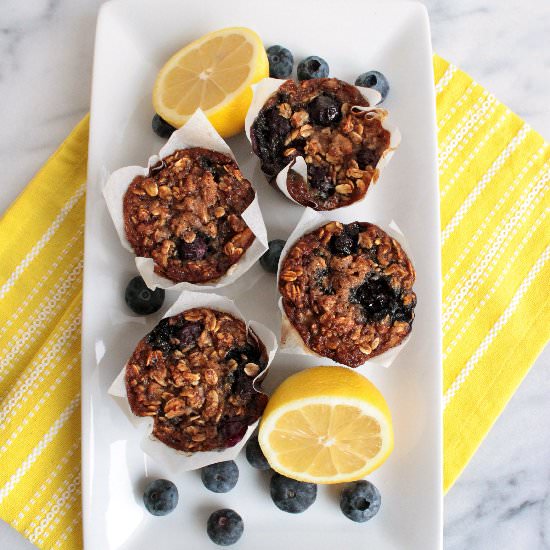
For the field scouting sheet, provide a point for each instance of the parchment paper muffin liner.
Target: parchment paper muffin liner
(291, 342)
(266, 87)
(172, 458)
(197, 132)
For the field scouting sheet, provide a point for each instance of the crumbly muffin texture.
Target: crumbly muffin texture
(193, 374)
(186, 215)
(347, 290)
(340, 145)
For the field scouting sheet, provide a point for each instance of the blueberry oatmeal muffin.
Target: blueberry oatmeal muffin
(186, 215)
(341, 146)
(347, 290)
(193, 374)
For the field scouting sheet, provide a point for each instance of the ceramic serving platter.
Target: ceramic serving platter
(134, 38)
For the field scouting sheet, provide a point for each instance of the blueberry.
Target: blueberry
(189, 333)
(281, 61)
(160, 497)
(220, 477)
(159, 337)
(352, 229)
(234, 429)
(367, 157)
(292, 496)
(378, 299)
(319, 179)
(312, 67)
(193, 251)
(325, 110)
(225, 527)
(375, 80)
(255, 456)
(270, 259)
(161, 127)
(141, 299)
(249, 353)
(360, 501)
(216, 170)
(268, 135)
(342, 245)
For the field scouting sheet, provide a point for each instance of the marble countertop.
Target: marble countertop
(502, 500)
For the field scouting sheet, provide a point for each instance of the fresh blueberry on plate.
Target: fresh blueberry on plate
(360, 501)
(312, 67)
(292, 496)
(375, 80)
(280, 60)
(162, 128)
(270, 259)
(225, 527)
(220, 477)
(160, 497)
(141, 299)
(255, 456)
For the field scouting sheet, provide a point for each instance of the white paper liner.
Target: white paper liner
(266, 87)
(179, 460)
(291, 342)
(197, 132)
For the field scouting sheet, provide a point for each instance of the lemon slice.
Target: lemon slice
(326, 425)
(213, 73)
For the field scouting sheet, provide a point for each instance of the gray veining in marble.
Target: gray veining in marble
(502, 500)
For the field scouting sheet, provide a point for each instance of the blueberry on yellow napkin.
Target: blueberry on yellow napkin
(493, 170)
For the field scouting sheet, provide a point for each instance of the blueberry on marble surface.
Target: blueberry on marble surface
(220, 477)
(375, 80)
(162, 128)
(255, 456)
(225, 527)
(280, 60)
(141, 299)
(312, 67)
(360, 501)
(270, 259)
(290, 495)
(160, 497)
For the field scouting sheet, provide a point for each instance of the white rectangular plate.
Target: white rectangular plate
(134, 38)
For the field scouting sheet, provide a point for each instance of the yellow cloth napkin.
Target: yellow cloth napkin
(494, 174)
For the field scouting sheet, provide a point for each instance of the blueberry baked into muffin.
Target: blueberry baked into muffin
(186, 215)
(193, 374)
(341, 146)
(347, 290)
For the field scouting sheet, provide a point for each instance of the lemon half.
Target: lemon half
(326, 425)
(213, 73)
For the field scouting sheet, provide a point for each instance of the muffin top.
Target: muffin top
(341, 146)
(193, 373)
(186, 215)
(347, 290)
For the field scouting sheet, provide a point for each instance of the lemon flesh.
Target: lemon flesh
(326, 425)
(213, 73)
